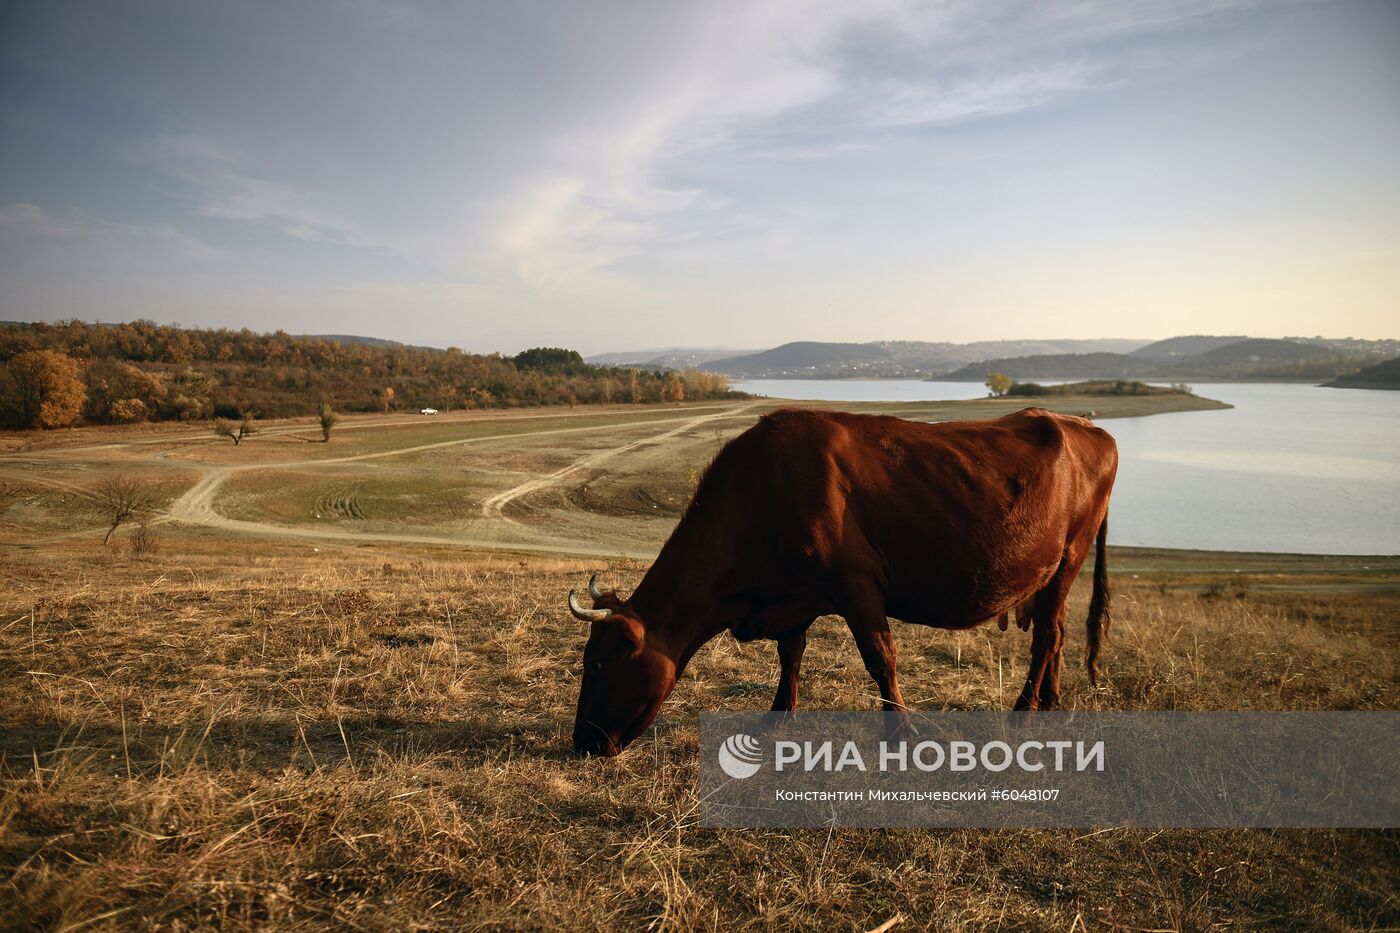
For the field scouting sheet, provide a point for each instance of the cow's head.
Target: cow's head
(625, 679)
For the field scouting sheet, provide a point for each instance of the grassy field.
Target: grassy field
(250, 730)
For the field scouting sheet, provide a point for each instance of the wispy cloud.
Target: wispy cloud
(24, 227)
(215, 179)
(928, 102)
(860, 69)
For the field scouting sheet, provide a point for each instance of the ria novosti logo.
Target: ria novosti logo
(740, 756)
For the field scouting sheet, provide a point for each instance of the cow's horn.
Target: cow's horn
(593, 587)
(587, 615)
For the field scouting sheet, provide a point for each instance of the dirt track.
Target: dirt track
(495, 506)
(626, 472)
(492, 530)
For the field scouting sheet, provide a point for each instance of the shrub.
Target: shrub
(144, 540)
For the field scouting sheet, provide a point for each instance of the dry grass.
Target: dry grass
(248, 736)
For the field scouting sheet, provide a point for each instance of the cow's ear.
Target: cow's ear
(632, 634)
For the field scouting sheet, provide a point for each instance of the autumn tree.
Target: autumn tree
(675, 387)
(999, 383)
(328, 419)
(43, 389)
(122, 392)
(190, 395)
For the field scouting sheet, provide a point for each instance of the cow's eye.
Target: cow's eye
(596, 666)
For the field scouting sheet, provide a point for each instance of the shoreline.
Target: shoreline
(1211, 380)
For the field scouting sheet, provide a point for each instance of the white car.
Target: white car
(429, 411)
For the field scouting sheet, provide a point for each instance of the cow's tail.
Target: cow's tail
(1099, 617)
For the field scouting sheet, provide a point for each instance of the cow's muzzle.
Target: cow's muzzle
(591, 740)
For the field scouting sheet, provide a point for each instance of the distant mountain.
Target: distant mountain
(1355, 346)
(892, 358)
(798, 356)
(1256, 350)
(367, 341)
(1193, 345)
(1061, 366)
(666, 357)
(1027, 347)
(1380, 376)
(1247, 358)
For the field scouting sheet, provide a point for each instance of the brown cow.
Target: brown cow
(810, 513)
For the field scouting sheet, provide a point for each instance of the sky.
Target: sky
(617, 175)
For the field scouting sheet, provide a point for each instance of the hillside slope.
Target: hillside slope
(894, 358)
(1258, 349)
(141, 371)
(1381, 376)
(1190, 345)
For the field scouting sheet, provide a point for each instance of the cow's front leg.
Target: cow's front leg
(790, 648)
(876, 644)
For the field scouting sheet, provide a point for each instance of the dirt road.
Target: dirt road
(494, 530)
(494, 507)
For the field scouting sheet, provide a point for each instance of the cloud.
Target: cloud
(70, 264)
(906, 103)
(213, 178)
(603, 200)
(783, 73)
(553, 235)
(26, 230)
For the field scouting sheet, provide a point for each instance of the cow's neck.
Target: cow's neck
(684, 602)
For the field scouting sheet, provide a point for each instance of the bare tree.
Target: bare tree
(120, 499)
(235, 432)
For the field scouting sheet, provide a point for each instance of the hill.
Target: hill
(142, 371)
(1384, 375)
(800, 355)
(809, 359)
(667, 357)
(1250, 358)
(1060, 366)
(1195, 356)
(1191, 345)
(1256, 350)
(367, 341)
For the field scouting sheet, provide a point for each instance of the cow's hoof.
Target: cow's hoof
(899, 727)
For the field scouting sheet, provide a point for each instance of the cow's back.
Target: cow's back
(953, 521)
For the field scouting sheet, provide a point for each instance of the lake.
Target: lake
(1291, 468)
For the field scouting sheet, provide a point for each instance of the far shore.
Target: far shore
(1150, 380)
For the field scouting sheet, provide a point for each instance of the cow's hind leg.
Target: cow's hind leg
(1042, 689)
(790, 648)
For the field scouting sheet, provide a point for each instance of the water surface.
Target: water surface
(1291, 468)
